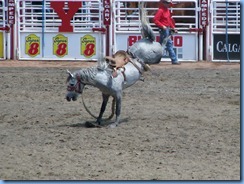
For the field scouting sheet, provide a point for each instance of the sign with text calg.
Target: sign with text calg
(232, 46)
(107, 12)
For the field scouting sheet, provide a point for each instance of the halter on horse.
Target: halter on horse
(144, 51)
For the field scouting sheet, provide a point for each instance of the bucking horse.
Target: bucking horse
(138, 58)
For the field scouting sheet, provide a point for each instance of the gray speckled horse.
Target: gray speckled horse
(143, 52)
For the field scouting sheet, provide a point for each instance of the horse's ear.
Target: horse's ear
(70, 74)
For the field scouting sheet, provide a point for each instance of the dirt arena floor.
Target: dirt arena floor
(181, 123)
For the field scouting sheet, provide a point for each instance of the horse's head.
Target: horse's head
(75, 86)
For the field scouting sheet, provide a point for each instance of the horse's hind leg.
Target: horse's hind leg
(103, 107)
(118, 111)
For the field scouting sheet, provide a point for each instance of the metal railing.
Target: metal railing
(127, 17)
(2, 13)
(226, 16)
(33, 15)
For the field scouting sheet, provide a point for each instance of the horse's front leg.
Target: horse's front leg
(103, 107)
(118, 111)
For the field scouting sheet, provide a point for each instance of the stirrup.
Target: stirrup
(147, 67)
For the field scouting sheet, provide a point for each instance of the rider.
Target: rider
(165, 23)
(118, 61)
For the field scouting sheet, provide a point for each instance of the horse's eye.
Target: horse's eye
(72, 82)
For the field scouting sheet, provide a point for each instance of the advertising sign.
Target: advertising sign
(66, 46)
(66, 16)
(184, 45)
(107, 12)
(11, 11)
(88, 46)
(1, 44)
(32, 45)
(204, 13)
(233, 47)
(60, 45)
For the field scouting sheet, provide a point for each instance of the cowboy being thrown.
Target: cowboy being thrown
(118, 61)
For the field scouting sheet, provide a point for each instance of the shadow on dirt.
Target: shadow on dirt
(93, 124)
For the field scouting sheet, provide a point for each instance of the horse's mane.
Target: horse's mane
(86, 75)
(102, 64)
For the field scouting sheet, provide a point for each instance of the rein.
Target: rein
(76, 87)
(92, 115)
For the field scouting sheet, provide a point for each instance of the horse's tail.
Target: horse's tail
(146, 30)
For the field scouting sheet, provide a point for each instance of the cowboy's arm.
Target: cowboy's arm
(172, 25)
(157, 19)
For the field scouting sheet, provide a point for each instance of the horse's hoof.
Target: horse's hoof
(113, 125)
(92, 125)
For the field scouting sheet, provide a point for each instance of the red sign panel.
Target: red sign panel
(66, 16)
(107, 12)
(11, 11)
(204, 13)
(177, 40)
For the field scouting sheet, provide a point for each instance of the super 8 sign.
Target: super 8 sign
(66, 17)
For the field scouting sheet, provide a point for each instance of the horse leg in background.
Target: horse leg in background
(118, 110)
(103, 107)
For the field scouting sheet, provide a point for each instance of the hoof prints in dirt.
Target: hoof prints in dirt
(184, 124)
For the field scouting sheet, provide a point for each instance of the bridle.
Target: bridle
(77, 87)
